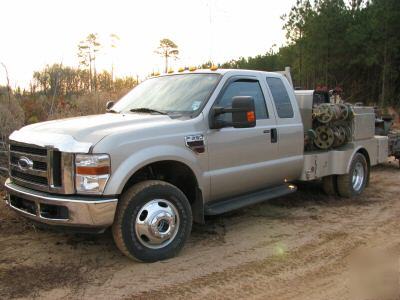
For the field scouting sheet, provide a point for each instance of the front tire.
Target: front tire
(153, 221)
(354, 183)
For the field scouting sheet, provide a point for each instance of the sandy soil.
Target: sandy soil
(305, 246)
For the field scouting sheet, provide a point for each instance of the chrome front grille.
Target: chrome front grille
(29, 150)
(33, 179)
(39, 168)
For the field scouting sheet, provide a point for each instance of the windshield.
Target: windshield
(184, 93)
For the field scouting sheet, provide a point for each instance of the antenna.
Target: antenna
(211, 35)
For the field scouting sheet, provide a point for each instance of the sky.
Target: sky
(40, 32)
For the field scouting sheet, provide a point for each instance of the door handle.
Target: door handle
(274, 135)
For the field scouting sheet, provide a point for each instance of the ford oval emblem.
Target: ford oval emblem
(25, 163)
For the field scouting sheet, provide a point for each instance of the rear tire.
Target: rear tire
(152, 222)
(355, 181)
(329, 185)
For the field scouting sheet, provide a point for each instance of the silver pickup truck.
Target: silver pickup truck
(185, 145)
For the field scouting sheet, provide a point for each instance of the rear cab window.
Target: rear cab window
(280, 97)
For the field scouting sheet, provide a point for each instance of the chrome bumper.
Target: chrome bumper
(77, 211)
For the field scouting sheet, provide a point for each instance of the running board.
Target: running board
(234, 203)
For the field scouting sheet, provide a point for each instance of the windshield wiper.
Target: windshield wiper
(147, 110)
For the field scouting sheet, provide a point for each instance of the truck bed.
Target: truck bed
(320, 163)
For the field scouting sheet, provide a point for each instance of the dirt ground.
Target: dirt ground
(305, 246)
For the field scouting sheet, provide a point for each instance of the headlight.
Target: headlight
(91, 173)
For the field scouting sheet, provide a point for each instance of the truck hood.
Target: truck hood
(80, 133)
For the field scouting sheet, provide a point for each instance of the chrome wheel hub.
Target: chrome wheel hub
(157, 223)
(358, 176)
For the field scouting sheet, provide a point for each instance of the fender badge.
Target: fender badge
(195, 143)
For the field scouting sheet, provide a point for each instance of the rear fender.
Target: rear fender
(357, 150)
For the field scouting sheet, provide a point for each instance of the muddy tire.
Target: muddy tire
(355, 181)
(152, 222)
(329, 185)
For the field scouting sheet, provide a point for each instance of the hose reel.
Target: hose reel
(325, 137)
(331, 125)
(328, 112)
(344, 111)
(340, 135)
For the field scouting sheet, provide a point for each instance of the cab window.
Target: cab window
(281, 98)
(244, 87)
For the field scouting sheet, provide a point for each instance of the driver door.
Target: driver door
(242, 159)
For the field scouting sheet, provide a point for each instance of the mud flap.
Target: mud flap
(198, 208)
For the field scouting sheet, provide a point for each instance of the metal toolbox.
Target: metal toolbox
(363, 124)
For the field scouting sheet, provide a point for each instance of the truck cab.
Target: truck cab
(255, 157)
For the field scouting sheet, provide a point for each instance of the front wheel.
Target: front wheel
(153, 221)
(355, 181)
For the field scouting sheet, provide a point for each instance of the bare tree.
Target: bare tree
(87, 51)
(11, 118)
(167, 49)
(114, 39)
(8, 84)
(58, 74)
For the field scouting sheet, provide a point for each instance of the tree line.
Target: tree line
(61, 91)
(353, 45)
(58, 91)
(65, 81)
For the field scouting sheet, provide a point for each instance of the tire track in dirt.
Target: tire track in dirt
(294, 247)
(281, 276)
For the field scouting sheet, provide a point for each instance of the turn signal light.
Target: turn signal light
(93, 170)
(251, 117)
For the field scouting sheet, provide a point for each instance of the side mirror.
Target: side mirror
(243, 113)
(109, 105)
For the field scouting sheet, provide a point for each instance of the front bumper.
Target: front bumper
(74, 210)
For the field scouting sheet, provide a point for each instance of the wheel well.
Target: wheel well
(174, 172)
(364, 152)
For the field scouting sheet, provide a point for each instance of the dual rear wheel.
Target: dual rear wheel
(350, 184)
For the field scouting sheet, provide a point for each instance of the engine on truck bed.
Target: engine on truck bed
(329, 124)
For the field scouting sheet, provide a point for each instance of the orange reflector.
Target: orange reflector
(214, 68)
(251, 117)
(93, 170)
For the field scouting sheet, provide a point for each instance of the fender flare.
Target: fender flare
(358, 149)
(147, 156)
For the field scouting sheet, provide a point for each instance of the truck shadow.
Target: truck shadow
(306, 203)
